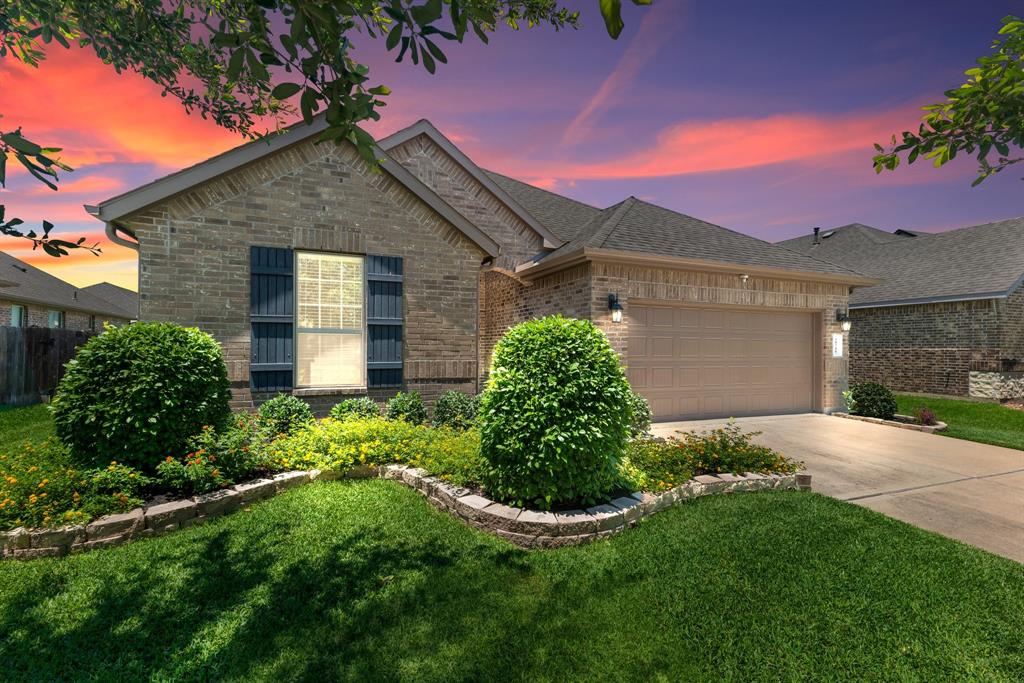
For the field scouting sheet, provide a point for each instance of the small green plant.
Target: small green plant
(555, 415)
(283, 414)
(640, 411)
(851, 405)
(924, 415)
(138, 392)
(360, 408)
(455, 410)
(407, 406)
(873, 400)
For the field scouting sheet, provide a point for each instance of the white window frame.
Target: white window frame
(23, 318)
(296, 330)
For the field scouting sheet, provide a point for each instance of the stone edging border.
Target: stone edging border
(928, 429)
(539, 529)
(525, 528)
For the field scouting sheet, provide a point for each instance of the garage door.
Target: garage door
(695, 363)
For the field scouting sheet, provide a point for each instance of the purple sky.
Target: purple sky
(757, 116)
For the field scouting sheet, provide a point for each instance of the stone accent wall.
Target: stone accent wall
(194, 256)
(38, 316)
(925, 348)
(643, 283)
(506, 299)
(445, 176)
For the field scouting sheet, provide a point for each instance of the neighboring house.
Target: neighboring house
(324, 278)
(948, 316)
(30, 297)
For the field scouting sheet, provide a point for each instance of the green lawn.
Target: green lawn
(981, 422)
(18, 425)
(365, 581)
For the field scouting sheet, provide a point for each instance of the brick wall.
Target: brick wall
(1011, 327)
(38, 316)
(926, 348)
(194, 256)
(506, 299)
(441, 173)
(661, 284)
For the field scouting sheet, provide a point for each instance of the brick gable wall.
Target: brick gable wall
(445, 176)
(194, 257)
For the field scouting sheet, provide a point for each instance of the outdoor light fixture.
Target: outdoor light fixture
(843, 318)
(615, 307)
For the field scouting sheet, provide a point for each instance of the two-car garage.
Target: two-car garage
(693, 362)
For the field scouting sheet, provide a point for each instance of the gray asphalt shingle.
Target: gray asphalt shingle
(34, 286)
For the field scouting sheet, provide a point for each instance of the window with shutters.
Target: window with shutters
(330, 320)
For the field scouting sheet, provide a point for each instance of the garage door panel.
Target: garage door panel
(702, 363)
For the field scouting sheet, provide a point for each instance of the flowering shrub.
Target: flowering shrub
(40, 486)
(407, 406)
(237, 448)
(359, 408)
(924, 416)
(284, 413)
(456, 410)
(654, 465)
(197, 472)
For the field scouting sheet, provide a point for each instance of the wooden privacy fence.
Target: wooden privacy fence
(32, 361)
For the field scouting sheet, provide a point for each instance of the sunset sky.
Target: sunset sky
(756, 116)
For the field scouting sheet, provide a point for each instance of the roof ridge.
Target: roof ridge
(608, 227)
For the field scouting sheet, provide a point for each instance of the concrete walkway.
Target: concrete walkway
(964, 490)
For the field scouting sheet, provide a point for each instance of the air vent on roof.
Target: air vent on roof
(826, 235)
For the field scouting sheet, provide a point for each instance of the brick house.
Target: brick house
(325, 278)
(30, 297)
(948, 316)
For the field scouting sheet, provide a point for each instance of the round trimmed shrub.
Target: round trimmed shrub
(871, 399)
(284, 413)
(455, 410)
(556, 414)
(640, 415)
(362, 408)
(407, 406)
(138, 393)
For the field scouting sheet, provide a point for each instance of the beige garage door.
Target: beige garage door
(695, 363)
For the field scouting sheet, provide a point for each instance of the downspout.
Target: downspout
(111, 230)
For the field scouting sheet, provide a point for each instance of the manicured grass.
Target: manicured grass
(982, 422)
(18, 425)
(365, 581)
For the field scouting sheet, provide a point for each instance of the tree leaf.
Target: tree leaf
(285, 90)
(611, 11)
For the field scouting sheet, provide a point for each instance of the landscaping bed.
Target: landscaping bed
(983, 422)
(902, 421)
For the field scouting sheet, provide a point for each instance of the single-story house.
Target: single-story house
(325, 278)
(948, 314)
(30, 297)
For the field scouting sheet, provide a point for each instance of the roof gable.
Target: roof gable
(426, 128)
(110, 210)
(28, 284)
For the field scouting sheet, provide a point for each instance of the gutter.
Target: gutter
(953, 298)
(111, 229)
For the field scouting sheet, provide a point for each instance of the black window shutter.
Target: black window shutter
(272, 315)
(384, 321)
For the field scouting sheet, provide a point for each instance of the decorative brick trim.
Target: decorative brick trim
(540, 529)
(913, 426)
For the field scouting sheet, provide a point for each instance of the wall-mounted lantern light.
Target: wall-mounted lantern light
(843, 318)
(615, 307)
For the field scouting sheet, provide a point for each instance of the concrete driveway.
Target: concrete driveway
(964, 490)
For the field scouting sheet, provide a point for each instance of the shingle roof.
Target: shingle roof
(125, 299)
(637, 226)
(561, 215)
(31, 285)
(842, 240)
(976, 262)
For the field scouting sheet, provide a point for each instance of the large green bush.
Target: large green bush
(871, 399)
(138, 393)
(640, 412)
(555, 415)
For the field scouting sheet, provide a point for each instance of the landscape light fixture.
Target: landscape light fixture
(615, 307)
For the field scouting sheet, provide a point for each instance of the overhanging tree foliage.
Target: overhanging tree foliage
(983, 117)
(242, 63)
